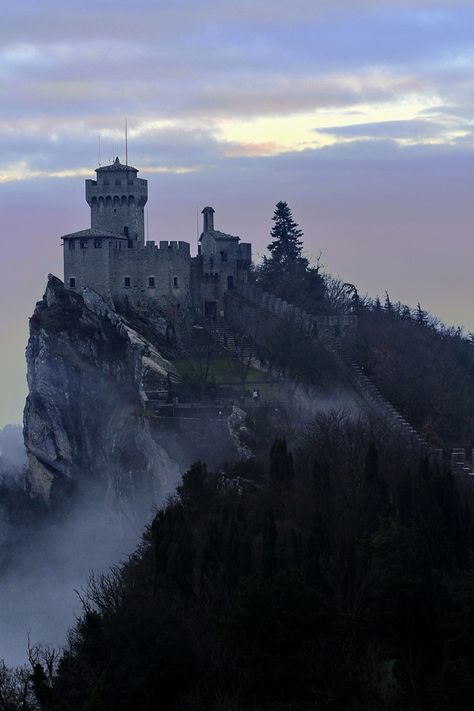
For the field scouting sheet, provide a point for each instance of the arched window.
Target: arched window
(116, 200)
(131, 200)
(124, 199)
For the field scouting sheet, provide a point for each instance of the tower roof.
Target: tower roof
(116, 166)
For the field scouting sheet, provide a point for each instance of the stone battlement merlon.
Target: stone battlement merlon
(167, 247)
(175, 246)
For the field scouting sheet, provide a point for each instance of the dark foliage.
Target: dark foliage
(342, 580)
(286, 272)
(425, 369)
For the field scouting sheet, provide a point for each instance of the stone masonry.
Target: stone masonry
(112, 258)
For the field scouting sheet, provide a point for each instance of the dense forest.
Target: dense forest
(424, 368)
(337, 577)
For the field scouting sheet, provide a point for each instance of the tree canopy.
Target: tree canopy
(286, 272)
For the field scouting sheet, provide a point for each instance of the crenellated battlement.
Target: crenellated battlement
(113, 258)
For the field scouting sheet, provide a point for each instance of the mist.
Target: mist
(12, 451)
(47, 565)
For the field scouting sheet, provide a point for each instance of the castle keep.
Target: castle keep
(113, 259)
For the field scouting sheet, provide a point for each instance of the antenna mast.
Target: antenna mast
(126, 142)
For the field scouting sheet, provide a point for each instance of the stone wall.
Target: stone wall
(155, 271)
(117, 200)
(114, 269)
(89, 264)
(333, 325)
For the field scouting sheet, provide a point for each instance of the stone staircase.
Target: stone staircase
(229, 340)
(377, 403)
(328, 329)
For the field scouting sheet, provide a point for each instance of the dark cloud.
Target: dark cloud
(415, 129)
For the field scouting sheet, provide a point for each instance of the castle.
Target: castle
(113, 259)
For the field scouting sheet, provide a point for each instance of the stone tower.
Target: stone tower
(117, 198)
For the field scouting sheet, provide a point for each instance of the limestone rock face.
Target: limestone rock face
(84, 418)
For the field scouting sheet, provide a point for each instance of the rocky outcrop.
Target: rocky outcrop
(88, 372)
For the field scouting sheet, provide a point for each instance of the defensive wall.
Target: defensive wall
(257, 312)
(116, 267)
(249, 305)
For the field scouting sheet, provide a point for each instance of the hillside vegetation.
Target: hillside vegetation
(424, 368)
(340, 578)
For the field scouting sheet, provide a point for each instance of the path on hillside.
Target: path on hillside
(328, 331)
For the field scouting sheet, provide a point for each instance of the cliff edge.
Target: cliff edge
(87, 372)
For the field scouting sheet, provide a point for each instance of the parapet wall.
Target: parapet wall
(154, 271)
(335, 325)
(165, 247)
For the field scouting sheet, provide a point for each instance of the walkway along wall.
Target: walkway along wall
(258, 312)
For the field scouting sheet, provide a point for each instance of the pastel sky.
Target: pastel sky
(359, 113)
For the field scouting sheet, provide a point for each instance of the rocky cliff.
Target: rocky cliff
(87, 372)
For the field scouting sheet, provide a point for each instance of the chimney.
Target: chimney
(208, 221)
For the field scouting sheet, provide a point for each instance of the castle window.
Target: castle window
(125, 231)
(72, 282)
(72, 244)
(130, 243)
(126, 282)
(175, 282)
(151, 282)
(224, 256)
(98, 243)
(83, 243)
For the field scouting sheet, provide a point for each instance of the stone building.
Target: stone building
(112, 258)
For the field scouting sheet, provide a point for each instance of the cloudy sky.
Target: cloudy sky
(359, 113)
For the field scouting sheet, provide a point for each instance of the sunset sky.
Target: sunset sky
(358, 113)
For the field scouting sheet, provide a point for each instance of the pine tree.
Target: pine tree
(285, 249)
(420, 315)
(388, 304)
(286, 273)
